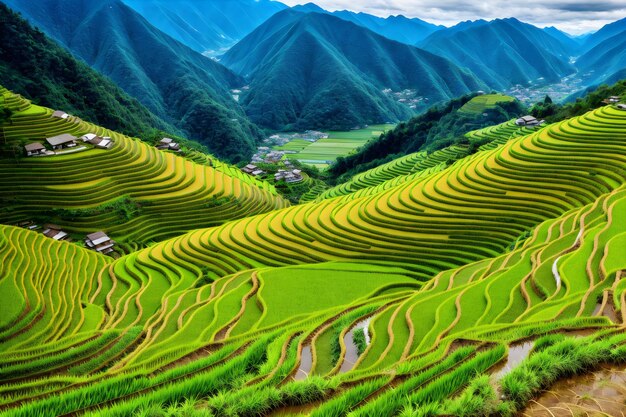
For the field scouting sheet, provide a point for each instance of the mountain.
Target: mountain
(173, 81)
(399, 28)
(208, 27)
(606, 32)
(36, 67)
(572, 44)
(318, 71)
(605, 62)
(503, 52)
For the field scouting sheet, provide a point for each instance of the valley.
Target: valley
(250, 208)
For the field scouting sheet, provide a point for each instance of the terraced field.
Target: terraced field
(484, 102)
(388, 299)
(133, 191)
(323, 152)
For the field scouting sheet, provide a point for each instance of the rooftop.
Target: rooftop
(61, 139)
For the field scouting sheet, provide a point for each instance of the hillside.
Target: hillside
(435, 129)
(38, 68)
(605, 62)
(173, 81)
(503, 52)
(205, 26)
(398, 28)
(434, 283)
(312, 70)
(126, 191)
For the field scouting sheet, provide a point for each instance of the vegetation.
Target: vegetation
(126, 190)
(437, 128)
(335, 86)
(40, 69)
(179, 85)
(455, 258)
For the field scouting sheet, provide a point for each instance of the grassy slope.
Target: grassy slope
(464, 216)
(125, 191)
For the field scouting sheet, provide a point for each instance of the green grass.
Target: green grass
(339, 143)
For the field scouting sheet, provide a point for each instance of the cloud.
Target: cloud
(573, 16)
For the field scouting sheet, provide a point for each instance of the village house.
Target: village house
(35, 148)
(28, 224)
(292, 176)
(88, 137)
(274, 157)
(613, 99)
(168, 144)
(102, 143)
(99, 242)
(621, 106)
(54, 232)
(253, 170)
(60, 115)
(98, 141)
(62, 141)
(528, 121)
(248, 169)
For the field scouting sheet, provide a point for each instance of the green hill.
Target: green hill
(173, 81)
(127, 190)
(35, 66)
(401, 301)
(437, 128)
(313, 70)
(503, 52)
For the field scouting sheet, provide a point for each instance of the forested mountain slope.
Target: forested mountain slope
(313, 70)
(208, 27)
(173, 81)
(503, 52)
(38, 68)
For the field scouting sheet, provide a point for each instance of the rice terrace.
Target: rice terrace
(467, 259)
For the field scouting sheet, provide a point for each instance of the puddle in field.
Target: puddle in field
(306, 361)
(517, 353)
(352, 353)
(600, 393)
(608, 311)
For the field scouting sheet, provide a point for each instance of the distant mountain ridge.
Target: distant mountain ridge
(208, 27)
(175, 82)
(398, 28)
(341, 72)
(503, 52)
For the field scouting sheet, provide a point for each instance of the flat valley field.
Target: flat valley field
(339, 143)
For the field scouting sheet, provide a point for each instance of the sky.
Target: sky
(573, 16)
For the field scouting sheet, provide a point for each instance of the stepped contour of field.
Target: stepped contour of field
(162, 194)
(444, 269)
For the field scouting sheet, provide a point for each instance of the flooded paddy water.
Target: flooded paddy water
(599, 393)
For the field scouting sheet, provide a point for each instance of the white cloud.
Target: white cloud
(573, 16)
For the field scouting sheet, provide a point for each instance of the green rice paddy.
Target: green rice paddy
(448, 266)
(323, 152)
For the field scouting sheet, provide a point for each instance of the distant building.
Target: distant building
(88, 137)
(102, 143)
(54, 232)
(621, 106)
(614, 99)
(168, 144)
(35, 148)
(60, 114)
(62, 141)
(292, 176)
(528, 121)
(248, 169)
(99, 242)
